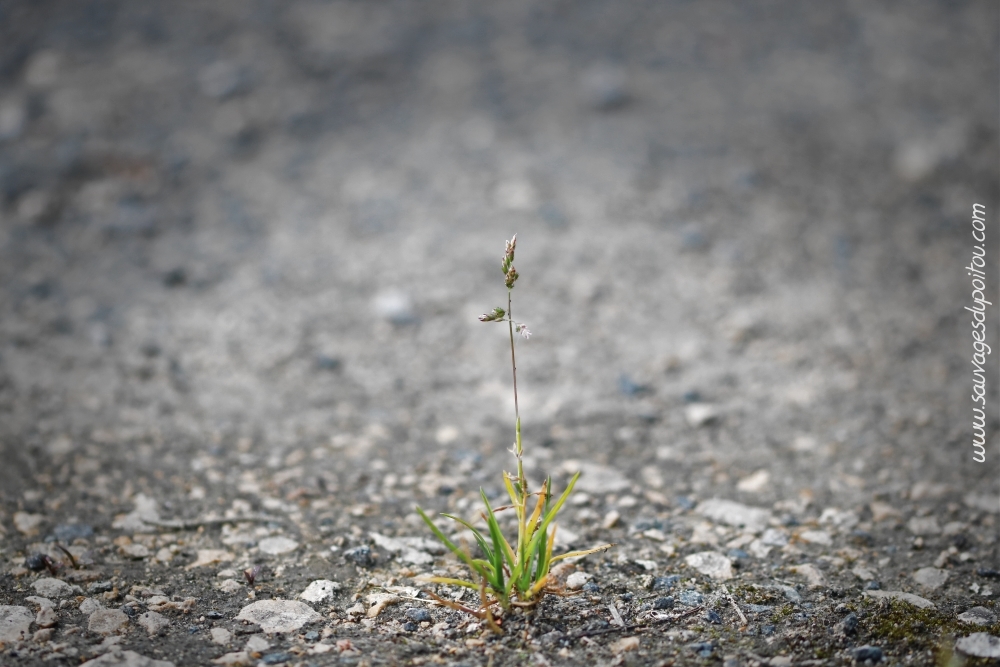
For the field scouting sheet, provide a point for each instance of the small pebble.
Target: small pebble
(930, 578)
(52, 588)
(418, 615)
(220, 636)
(591, 587)
(319, 590)
(36, 562)
(712, 564)
(100, 587)
(850, 624)
(276, 546)
(713, 617)
(360, 556)
(278, 615)
(277, 658)
(410, 626)
(152, 622)
(868, 654)
(89, 606)
(46, 617)
(665, 583)
(690, 598)
(978, 616)
(767, 630)
(576, 580)
(873, 585)
(664, 603)
(107, 621)
(980, 645)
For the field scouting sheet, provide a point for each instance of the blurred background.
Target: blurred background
(239, 239)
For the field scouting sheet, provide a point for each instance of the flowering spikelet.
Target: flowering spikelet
(508, 255)
(496, 316)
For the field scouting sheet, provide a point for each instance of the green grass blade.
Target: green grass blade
(479, 537)
(500, 546)
(464, 557)
(551, 514)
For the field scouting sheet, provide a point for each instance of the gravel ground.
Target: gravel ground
(243, 246)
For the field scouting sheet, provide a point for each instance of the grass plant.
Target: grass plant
(510, 575)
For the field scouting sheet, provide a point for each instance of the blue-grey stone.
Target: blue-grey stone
(665, 583)
(418, 615)
(691, 598)
(868, 654)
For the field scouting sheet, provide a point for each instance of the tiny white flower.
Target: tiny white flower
(523, 330)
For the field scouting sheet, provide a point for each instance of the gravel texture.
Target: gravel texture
(244, 245)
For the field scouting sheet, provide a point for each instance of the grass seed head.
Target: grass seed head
(511, 277)
(496, 316)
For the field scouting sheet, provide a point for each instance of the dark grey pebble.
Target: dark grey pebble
(988, 572)
(665, 583)
(410, 626)
(311, 636)
(277, 658)
(850, 624)
(868, 654)
(713, 617)
(360, 556)
(873, 586)
(691, 598)
(100, 587)
(767, 630)
(36, 562)
(418, 615)
(664, 603)
(591, 587)
(213, 615)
